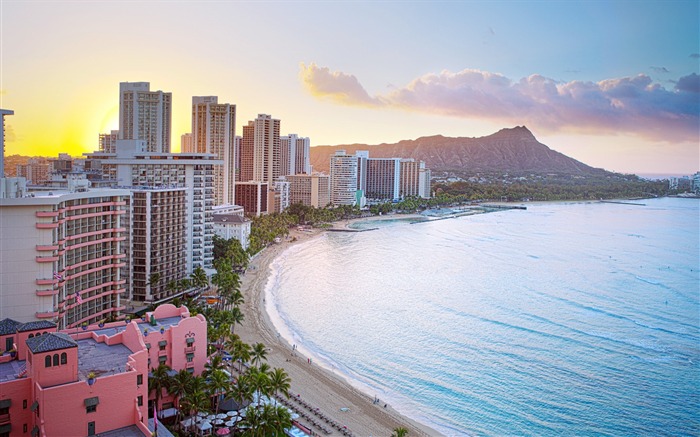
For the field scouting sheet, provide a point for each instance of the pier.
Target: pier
(350, 230)
(619, 202)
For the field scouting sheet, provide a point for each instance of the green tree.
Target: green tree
(279, 382)
(400, 432)
(159, 380)
(258, 354)
(219, 385)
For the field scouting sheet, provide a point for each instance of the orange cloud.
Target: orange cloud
(632, 105)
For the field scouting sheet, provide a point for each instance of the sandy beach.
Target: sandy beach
(318, 387)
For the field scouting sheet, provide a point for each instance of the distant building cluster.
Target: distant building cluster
(89, 238)
(685, 183)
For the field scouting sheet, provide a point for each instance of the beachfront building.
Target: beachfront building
(309, 189)
(253, 197)
(93, 380)
(61, 256)
(233, 225)
(157, 253)
(145, 115)
(383, 178)
(278, 195)
(343, 179)
(415, 179)
(214, 131)
(131, 166)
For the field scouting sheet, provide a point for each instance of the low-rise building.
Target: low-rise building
(92, 380)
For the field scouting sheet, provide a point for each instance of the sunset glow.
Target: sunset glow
(613, 85)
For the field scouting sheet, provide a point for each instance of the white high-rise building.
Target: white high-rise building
(3, 113)
(61, 256)
(145, 115)
(260, 150)
(214, 131)
(343, 169)
(131, 166)
(186, 145)
(295, 155)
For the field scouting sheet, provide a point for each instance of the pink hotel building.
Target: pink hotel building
(45, 389)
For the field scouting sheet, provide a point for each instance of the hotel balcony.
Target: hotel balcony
(46, 314)
(46, 259)
(46, 213)
(47, 225)
(42, 248)
(46, 292)
(4, 418)
(46, 281)
(190, 349)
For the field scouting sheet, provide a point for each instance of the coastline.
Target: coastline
(319, 387)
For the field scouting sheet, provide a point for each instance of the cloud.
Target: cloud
(632, 105)
(695, 55)
(660, 69)
(338, 86)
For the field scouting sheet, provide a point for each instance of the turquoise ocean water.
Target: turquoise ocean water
(564, 319)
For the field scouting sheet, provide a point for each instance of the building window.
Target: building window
(140, 401)
(190, 358)
(162, 360)
(24, 404)
(64, 358)
(91, 404)
(24, 428)
(139, 379)
(55, 359)
(47, 361)
(31, 335)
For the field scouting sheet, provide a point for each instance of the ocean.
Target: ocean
(563, 319)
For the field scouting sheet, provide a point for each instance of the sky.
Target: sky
(614, 84)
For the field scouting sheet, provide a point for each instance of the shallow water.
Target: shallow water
(567, 318)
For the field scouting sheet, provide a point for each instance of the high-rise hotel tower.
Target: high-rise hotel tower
(145, 115)
(214, 131)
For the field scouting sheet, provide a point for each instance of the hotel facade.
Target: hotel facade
(93, 379)
(61, 256)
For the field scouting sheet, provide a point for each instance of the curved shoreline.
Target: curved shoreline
(318, 386)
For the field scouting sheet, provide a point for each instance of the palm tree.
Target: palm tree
(199, 277)
(219, 386)
(259, 381)
(196, 401)
(216, 362)
(258, 354)
(158, 380)
(237, 317)
(399, 432)
(279, 382)
(241, 352)
(279, 418)
(241, 391)
(178, 387)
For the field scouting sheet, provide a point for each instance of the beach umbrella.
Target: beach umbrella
(230, 423)
(201, 414)
(221, 416)
(223, 431)
(230, 413)
(211, 417)
(218, 422)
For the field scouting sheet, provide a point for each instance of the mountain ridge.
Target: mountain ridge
(508, 150)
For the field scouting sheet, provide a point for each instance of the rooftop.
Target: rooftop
(101, 358)
(8, 326)
(52, 341)
(11, 370)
